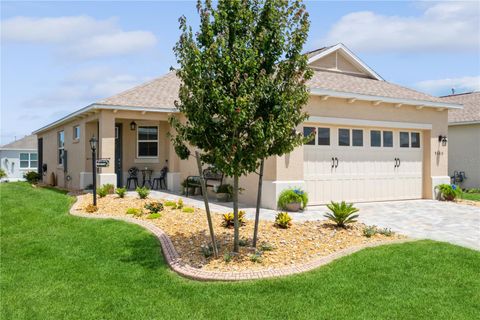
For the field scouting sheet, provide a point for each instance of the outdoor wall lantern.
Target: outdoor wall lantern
(93, 145)
(443, 140)
(133, 125)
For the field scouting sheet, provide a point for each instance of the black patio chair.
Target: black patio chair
(132, 176)
(159, 182)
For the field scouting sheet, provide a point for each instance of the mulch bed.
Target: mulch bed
(299, 244)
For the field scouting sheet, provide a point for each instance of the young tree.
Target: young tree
(236, 93)
(281, 34)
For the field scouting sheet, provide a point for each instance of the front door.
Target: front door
(118, 154)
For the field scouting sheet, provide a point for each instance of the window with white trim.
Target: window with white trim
(61, 146)
(147, 141)
(404, 139)
(76, 133)
(415, 139)
(357, 137)
(323, 136)
(307, 131)
(28, 160)
(344, 137)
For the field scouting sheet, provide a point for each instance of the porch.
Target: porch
(130, 139)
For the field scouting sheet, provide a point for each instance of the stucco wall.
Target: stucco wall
(464, 153)
(10, 162)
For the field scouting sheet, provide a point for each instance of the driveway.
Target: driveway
(422, 219)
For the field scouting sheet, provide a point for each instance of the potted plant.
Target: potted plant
(224, 192)
(293, 199)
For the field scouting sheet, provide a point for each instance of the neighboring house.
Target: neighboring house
(375, 140)
(464, 138)
(18, 157)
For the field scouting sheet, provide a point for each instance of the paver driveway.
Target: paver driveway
(430, 219)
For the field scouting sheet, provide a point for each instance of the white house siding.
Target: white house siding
(464, 153)
(10, 162)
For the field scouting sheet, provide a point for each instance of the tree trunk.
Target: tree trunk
(207, 207)
(236, 224)
(259, 200)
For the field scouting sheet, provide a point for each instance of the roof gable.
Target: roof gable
(339, 58)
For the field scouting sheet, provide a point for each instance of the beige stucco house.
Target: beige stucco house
(375, 140)
(464, 138)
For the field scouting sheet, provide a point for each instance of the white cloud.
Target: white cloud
(77, 36)
(444, 26)
(444, 86)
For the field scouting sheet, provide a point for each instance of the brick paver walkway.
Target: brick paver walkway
(175, 263)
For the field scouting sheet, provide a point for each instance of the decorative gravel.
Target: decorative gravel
(301, 243)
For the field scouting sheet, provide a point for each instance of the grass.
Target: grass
(56, 266)
(471, 196)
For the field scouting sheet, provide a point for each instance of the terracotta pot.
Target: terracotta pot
(293, 206)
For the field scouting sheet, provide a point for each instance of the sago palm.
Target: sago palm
(341, 213)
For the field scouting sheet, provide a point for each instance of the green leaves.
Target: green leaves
(242, 82)
(341, 213)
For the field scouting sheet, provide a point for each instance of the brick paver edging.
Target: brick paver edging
(175, 263)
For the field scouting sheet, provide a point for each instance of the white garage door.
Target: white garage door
(362, 164)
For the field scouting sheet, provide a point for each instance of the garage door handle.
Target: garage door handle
(399, 162)
(333, 162)
(337, 162)
(396, 163)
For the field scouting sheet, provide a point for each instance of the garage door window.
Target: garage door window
(308, 131)
(357, 138)
(388, 139)
(343, 137)
(375, 138)
(404, 140)
(415, 137)
(323, 136)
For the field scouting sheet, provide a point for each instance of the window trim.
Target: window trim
(62, 148)
(318, 137)
(29, 160)
(76, 138)
(138, 141)
(363, 137)
(400, 139)
(419, 140)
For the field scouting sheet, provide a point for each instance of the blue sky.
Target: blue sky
(57, 57)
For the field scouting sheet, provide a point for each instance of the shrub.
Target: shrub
(256, 257)
(386, 232)
(134, 211)
(225, 188)
(265, 246)
(207, 251)
(292, 195)
(110, 188)
(91, 208)
(243, 242)
(180, 203)
(121, 192)
(154, 207)
(31, 176)
(473, 190)
(228, 219)
(143, 192)
(169, 203)
(3, 174)
(369, 231)
(227, 257)
(283, 220)
(102, 192)
(449, 191)
(154, 216)
(188, 210)
(341, 213)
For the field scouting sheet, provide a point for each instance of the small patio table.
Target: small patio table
(147, 177)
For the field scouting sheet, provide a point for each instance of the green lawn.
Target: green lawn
(55, 266)
(471, 196)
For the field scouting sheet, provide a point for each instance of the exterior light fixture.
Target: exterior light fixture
(133, 126)
(93, 143)
(443, 140)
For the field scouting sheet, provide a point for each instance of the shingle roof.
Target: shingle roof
(28, 143)
(348, 83)
(163, 91)
(158, 93)
(471, 107)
